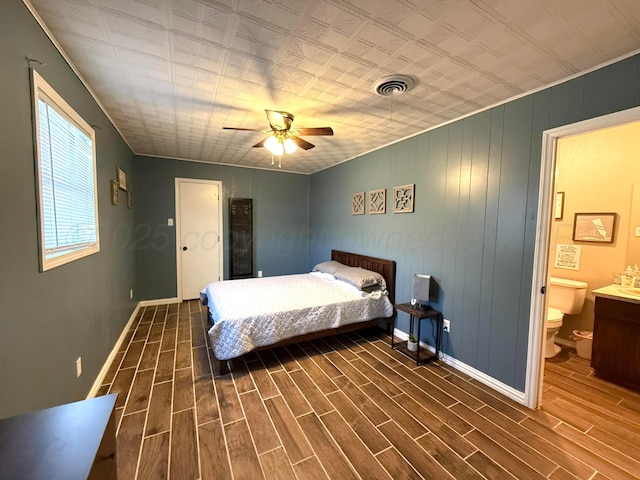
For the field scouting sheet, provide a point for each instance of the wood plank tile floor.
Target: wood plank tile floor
(350, 407)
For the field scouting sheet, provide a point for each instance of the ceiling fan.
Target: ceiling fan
(283, 139)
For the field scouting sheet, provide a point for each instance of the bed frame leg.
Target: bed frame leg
(223, 366)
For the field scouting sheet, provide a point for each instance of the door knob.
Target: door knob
(184, 249)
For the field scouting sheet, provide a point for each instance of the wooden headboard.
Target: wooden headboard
(386, 268)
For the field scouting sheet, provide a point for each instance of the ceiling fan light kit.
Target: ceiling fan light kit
(289, 146)
(274, 146)
(283, 139)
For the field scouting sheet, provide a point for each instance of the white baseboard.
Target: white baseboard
(144, 303)
(482, 377)
(103, 372)
(159, 301)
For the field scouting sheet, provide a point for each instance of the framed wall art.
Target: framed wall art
(594, 227)
(403, 199)
(357, 203)
(122, 179)
(115, 196)
(378, 201)
(559, 206)
(568, 256)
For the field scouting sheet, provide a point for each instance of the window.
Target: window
(66, 175)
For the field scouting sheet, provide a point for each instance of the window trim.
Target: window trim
(42, 90)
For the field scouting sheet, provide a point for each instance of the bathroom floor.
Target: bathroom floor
(603, 416)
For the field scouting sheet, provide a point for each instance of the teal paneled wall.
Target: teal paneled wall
(280, 203)
(475, 217)
(49, 319)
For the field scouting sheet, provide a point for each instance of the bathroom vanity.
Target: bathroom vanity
(616, 335)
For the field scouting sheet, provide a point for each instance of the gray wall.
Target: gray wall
(475, 215)
(280, 204)
(49, 319)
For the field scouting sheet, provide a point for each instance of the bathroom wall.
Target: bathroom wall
(597, 172)
(633, 247)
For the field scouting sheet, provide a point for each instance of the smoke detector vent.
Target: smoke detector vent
(393, 85)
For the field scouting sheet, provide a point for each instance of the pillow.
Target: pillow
(328, 267)
(360, 278)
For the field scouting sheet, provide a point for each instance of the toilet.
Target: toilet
(565, 297)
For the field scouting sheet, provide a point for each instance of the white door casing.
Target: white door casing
(198, 235)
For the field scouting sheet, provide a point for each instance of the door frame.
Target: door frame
(178, 181)
(535, 352)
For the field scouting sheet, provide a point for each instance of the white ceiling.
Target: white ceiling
(171, 73)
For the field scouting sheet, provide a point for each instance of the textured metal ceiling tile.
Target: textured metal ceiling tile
(172, 73)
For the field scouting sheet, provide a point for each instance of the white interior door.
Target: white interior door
(198, 235)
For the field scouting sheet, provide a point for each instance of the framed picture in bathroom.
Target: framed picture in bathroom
(594, 227)
(559, 206)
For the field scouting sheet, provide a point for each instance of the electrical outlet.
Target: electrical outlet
(446, 325)
(79, 366)
(259, 273)
(131, 293)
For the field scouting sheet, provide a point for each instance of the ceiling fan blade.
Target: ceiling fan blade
(243, 129)
(279, 120)
(315, 131)
(303, 144)
(261, 142)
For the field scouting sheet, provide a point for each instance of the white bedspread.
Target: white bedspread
(257, 312)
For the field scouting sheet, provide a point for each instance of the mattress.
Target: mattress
(258, 312)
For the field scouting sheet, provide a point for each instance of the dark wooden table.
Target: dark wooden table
(419, 315)
(76, 441)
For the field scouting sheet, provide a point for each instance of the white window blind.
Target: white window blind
(66, 179)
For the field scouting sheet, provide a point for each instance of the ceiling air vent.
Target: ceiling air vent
(393, 85)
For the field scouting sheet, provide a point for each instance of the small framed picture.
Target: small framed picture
(594, 227)
(559, 207)
(129, 198)
(122, 179)
(115, 196)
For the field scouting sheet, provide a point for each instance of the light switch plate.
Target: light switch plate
(637, 231)
(170, 222)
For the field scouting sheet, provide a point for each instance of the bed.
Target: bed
(257, 313)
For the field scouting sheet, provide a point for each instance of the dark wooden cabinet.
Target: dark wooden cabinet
(241, 237)
(616, 342)
(76, 441)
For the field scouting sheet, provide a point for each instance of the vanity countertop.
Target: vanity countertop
(618, 292)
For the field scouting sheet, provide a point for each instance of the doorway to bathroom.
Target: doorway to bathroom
(592, 178)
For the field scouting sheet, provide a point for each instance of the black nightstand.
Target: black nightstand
(416, 314)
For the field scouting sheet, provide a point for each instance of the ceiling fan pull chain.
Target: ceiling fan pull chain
(273, 162)
(280, 161)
